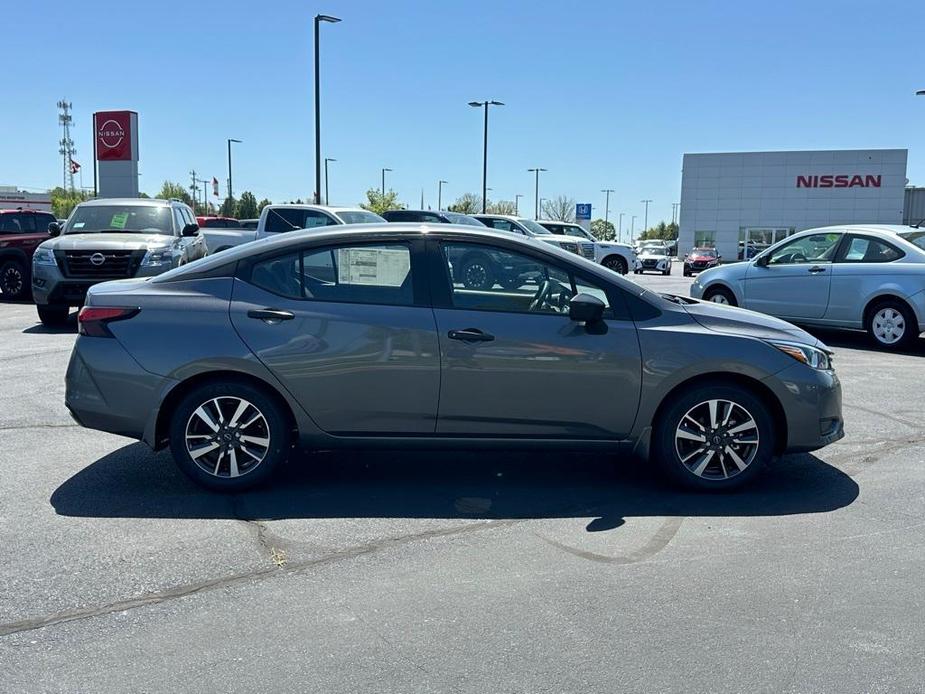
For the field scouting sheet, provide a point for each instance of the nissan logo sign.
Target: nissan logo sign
(97, 259)
(111, 134)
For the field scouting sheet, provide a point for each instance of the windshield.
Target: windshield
(359, 217)
(709, 252)
(455, 218)
(914, 237)
(535, 228)
(149, 219)
(655, 250)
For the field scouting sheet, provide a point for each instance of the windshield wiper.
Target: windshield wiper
(680, 300)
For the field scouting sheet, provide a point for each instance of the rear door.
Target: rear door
(515, 365)
(864, 264)
(348, 331)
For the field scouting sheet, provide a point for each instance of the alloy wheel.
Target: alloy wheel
(719, 298)
(227, 436)
(476, 276)
(716, 439)
(12, 281)
(889, 326)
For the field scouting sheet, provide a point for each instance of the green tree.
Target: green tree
(661, 231)
(559, 209)
(502, 207)
(603, 231)
(379, 203)
(468, 203)
(263, 203)
(174, 191)
(228, 207)
(247, 206)
(63, 201)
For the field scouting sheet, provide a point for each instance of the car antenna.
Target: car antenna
(918, 223)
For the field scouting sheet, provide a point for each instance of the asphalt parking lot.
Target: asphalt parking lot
(458, 572)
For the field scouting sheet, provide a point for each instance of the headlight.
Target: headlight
(811, 356)
(158, 256)
(43, 256)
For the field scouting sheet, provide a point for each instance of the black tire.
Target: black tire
(14, 279)
(477, 272)
(715, 293)
(53, 316)
(667, 272)
(687, 273)
(895, 313)
(637, 272)
(615, 263)
(272, 425)
(667, 449)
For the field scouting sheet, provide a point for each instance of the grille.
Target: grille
(115, 265)
(571, 247)
(649, 263)
(587, 250)
(698, 264)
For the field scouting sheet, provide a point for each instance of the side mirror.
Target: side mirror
(584, 308)
(762, 261)
(190, 230)
(54, 229)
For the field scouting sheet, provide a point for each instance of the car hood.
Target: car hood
(654, 256)
(560, 239)
(701, 257)
(609, 244)
(107, 241)
(739, 321)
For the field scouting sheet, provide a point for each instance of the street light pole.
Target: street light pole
(620, 232)
(318, 19)
(230, 188)
(674, 212)
(440, 194)
(485, 105)
(327, 199)
(383, 180)
(633, 229)
(646, 222)
(517, 198)
(607, 191)
(536, 192)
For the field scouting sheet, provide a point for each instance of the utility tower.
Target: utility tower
(66, 149)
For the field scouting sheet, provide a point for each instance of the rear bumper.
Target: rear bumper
(812, 405)
(107, 390)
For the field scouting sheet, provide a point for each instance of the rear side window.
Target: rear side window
(866, 249)
(365, 274)
(281, 219)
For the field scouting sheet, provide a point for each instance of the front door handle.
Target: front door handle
(470, 335)
(816, 269)
(270, 315)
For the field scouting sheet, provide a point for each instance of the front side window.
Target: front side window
(281, 219)
(865, 249)
(366, 274)
(502, 225)
(493, 279)
(815, 248)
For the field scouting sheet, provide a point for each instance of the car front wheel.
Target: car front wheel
(615, 263)
(53, 316)
(714, 438)
(892, 325)
(720, 295)
(228, 436)
(13, 279)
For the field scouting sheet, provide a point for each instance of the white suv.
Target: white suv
(280, 218)
(618, 257)
(527, 227)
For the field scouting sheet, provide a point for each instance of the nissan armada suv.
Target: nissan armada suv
(109, 239)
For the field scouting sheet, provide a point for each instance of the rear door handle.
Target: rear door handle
(470, 335)
(816, 268)
(270, 315)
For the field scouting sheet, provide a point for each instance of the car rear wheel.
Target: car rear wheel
(615, 263)
(714, 438)
(229, 436)
(13, 279)
(53, 316)
(720, 295)
(892, 325)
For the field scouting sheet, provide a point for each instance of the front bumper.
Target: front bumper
(812, 404)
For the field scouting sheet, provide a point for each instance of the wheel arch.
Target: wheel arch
(752, 385)
(181, 389)
(883, 298)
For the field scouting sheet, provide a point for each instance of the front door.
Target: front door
(795, 281)
(515, 365)
(347, 332)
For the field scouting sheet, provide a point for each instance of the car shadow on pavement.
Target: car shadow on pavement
(858, 339)
(134, 483)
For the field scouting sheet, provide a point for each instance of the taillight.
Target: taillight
(92, 320)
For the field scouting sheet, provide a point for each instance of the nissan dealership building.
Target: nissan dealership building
(741, 202)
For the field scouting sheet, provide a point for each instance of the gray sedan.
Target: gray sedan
(367, 336)
(869, 277)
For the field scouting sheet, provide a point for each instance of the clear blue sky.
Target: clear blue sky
(608, 97)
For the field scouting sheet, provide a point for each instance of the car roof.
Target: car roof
(558, 221)
(27, 210)
(323, 208)
(157, 202)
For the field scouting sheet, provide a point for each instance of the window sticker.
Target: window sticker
(79, 225)
(119, 220)
(383, 267)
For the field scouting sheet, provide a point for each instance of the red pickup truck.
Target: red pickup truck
(21, 231)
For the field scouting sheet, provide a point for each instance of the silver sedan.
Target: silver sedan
(869, 277)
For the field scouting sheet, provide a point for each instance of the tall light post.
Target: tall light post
(230, 188)
(620, 231)
(607, 192)
(517, 198)
(440, 194)
(485, 105)
(645, 224)
(674, 212)
(383, 179)
(536, 193)
(318, 19)
(633, 229)
(327, 198)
